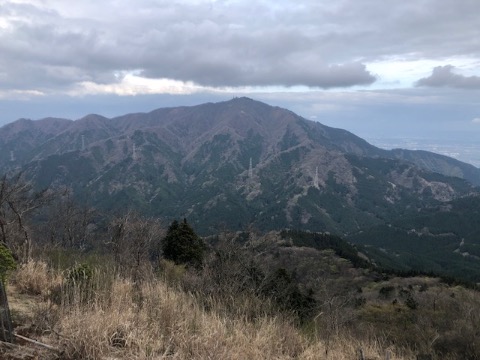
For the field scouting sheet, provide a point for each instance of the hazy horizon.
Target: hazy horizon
(466, 151)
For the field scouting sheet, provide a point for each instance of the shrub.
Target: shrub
(80, 274)
(281, 288)
(79, 284)
(182, 245)
(7, 262)
(386, 291)
(411, 302)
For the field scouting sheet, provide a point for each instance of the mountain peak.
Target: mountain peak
(92, 117)
(244, 99)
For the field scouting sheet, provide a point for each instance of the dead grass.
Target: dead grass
(153, 320)
(169, 323)
(35, 278)
(22, 306)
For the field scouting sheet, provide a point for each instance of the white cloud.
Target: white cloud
(476, 120)
(131, 84)
(21, 94)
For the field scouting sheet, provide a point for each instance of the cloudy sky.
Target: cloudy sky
(379, 68)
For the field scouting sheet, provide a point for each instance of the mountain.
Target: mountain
(241, 163)
(235, 163)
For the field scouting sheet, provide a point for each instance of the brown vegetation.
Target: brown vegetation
(158, 319)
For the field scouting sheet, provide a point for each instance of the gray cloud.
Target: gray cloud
(443, 76)
(182, 42)
(226, 43)
(214, 72)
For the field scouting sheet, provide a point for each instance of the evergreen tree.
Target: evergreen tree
(7, 262)
(182, 245)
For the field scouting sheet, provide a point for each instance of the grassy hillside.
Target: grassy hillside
(89, 306)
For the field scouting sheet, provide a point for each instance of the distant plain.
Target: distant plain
(464, 150)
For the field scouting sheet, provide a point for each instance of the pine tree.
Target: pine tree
(182, 245)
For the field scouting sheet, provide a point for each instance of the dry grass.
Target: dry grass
(169, 324)
(153, 320)
(34, 278)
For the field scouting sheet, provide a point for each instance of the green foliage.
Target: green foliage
(79, 285)
(182, 245)
(82, 273)
(7, 262)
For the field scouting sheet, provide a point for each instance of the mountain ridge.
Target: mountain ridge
(344, 140)
(244, 164)
(165, 157)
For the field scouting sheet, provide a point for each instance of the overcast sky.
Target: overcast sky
(379, 68)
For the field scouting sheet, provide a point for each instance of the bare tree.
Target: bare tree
(134, 240)
(18, 200)
(67, 223)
